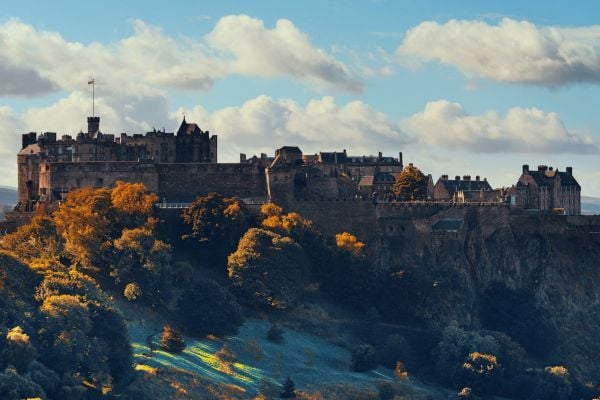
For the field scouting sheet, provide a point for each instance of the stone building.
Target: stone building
(547, 190)
(49, 167)
(463, 190)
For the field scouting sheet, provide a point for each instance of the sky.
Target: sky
(461, 87)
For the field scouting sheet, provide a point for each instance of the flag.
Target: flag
(90, 82)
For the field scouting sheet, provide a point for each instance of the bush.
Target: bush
(275, 334)
(208, 308)
(171, 340)
(132, 291)
(363, 358)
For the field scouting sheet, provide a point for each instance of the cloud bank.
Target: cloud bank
(150, 60)
(511, 51)
(522, 130)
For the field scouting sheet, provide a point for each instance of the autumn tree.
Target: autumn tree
(348, 242)
(268, 269)
(84, 221)
(37, 243)
(132, 203)
(216, 222)
(410, 185)
(171, 340)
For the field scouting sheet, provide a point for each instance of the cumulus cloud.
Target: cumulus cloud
(281, 51)
(263, 124)
(9, 145)
(522, 130)
(150, 60)
(511, 51)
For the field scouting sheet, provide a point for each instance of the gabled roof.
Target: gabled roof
(188, 129)
(31, 149)
(547, 178)
(291, 149)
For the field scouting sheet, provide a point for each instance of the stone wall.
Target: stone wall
(183, 182)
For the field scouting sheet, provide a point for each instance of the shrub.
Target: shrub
(481, 372)
(132, 291)
(275, 334)
(363, 358)
(208, 308)
(171, 340)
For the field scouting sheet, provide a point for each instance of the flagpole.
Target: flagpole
(93, 98)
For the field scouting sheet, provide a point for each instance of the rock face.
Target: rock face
(450, 275)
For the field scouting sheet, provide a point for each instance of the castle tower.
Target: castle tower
(93, 125)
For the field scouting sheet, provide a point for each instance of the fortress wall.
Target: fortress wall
(183, 182)
(70, 175)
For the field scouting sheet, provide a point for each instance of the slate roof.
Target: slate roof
(330, 157)
(447, 225)
(453, 185)
(546, 178)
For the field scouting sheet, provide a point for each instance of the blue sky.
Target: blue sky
(465, 87)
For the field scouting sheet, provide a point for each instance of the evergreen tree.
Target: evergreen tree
(289, 389)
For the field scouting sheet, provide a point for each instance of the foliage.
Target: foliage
(480, 372)
(132, 291)
(348, 242)
(363, 358)
(208, 308)
(171, 340)
(35, 243)
(18, 350)
(289, 389)
(268, 269)
(411, 184)
(16, 387)
(514, 312)
(275, 334)
(216, 222)
(132, 203)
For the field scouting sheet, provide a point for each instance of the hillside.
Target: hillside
(8, 195)
(590, 205)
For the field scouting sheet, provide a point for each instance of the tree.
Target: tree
(208, 307)
(363, 358)
(275, 334)
(268, 269)
(132, 203)
(289, 389)
(348, 242)
(171, 340)
(216, 222)
(411, 184)
(481, 372)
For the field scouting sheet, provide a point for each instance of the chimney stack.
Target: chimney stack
(444, 177)
(525, 169)
(570, 171)
(457, 178)
(477, 179)
(400, 159)
(542, 168)
(93, 124)
(380, 156)
(467, 177)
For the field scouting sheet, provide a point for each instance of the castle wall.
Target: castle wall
(184, 182)
(56, 178)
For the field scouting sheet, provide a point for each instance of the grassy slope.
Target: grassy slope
(311, 362)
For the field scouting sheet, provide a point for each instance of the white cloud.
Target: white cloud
(150, 60)
(263, 124)
(511, 51)
(9, 145)
(281, 51)
(522, 130)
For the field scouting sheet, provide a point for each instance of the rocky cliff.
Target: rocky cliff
(535, 277)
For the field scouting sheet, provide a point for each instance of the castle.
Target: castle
(180, 166)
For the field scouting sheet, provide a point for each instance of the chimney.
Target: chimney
(242, 158)
(345, 154)
(400, 159)
(542, 168)
(477, 179)
(467, 177)
(457, 178)
(444, 177)
(570, 171)
(93, 124)
(28, 138)
(380, 156)
(525, 169)
(551, 169)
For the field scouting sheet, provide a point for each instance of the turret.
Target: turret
(93, 124)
